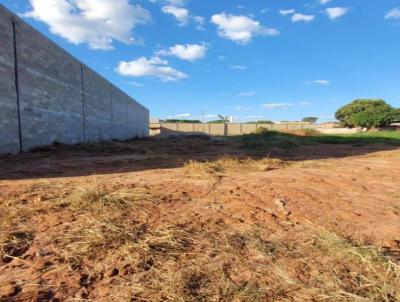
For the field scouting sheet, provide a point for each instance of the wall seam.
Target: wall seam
(112, 113)
(16, 79)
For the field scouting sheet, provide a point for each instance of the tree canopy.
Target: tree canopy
(367, 113)
(310, 119)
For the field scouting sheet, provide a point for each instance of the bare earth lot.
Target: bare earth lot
(197, 219)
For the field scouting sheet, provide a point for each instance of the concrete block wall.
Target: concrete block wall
(9, 141)
(60, 99)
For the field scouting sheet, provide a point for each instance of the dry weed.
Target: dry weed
(226, 164)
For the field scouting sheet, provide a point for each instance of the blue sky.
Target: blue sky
(253, 59)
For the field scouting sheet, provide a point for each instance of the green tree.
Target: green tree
(216, 122)
(396, 115)
(310, 119)
(369, 114)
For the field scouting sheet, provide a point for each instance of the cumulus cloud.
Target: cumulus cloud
(96, 23)
(188, 52)
(240, 29)
(302, 18)
(393, 13)
(272, 106)
(181, 14)
(285, 12)
(153, 67)
(336, 12)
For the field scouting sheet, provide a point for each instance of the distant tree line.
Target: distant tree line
(174, 121)
(261, 122)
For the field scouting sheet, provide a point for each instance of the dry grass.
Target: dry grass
(186, 263)
(227, 164)
(119, 253)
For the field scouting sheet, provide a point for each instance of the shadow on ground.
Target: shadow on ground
(174, 151)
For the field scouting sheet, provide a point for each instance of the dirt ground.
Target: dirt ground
(198, 219)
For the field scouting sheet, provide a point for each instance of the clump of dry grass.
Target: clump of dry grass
(103, 197)
(226, 164)
(359, 272)
(211, 168)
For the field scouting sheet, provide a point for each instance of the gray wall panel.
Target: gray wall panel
(61, 99)
(9, 141)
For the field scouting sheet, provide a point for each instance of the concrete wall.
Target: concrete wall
(60, 98)
(339, 130)
(231, 129)
(9, 141)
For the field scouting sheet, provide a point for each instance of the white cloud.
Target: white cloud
(200, 22)
(319, 82)
(181, 14)
(240, 29)
(302, 18)
(96, 23)
(247, 93)
(188, 52)
(393, 14)
(272, 106)
(153, 67)
(180, 115)
(305, 103)
(237, 67)
(285, 12)
(323, 2)
(336, 12)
